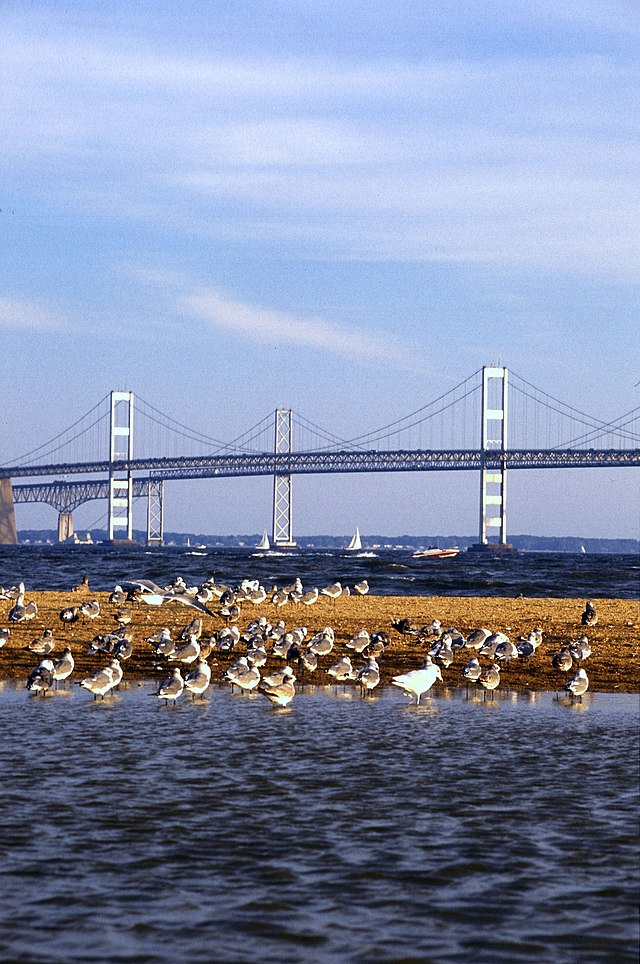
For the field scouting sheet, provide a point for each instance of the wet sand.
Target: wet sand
(612, 666)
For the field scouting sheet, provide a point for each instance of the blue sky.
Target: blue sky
(339, 207)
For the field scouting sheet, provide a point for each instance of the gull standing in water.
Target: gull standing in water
(63, 667)
(197, 681)
(490, 678)
(369, 675)
(418, 681)
(172, 688)
(100, 683)
(282, 694)
(41, 679)
(578, 684)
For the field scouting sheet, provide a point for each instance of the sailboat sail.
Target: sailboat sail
(264, 542)
(355, 543)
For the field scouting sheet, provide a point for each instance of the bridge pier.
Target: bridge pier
(8, 531)
(65, 526)
(282, 508)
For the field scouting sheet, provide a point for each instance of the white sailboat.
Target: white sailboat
(356, 544)
(264, 542)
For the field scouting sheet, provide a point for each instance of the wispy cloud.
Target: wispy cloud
(259, 325)
(28, 316)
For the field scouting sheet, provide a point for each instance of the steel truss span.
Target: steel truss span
(66, 495)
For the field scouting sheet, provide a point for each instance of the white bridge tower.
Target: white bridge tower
(493, 482)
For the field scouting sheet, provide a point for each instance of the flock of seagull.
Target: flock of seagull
(189, 652)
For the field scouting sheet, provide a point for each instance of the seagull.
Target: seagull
(369, 675)
(490, 677)
(100, 683)
(249, 679)
(154, 595)
(589, 616)
(580, 650)
(418, 681)
(172, 688)
(187, 653)
(282, 694)
(71, 614)
(279, 677)
(118, 597)
(21, 610)
(342, 670)
(333, 591)
(359, 642)
(63, 667)
(578, 684)
(471, 672)
(116, 672)
(41, 678)
(562, 660)
(91, 609)
(43, 645)
(506, 651)
(361, 588)
(477, 638)
(4, 636)
(198, 679)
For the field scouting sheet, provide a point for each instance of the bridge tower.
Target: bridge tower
(282, 514)
(120, 477)
(493, 481)
(155, 512)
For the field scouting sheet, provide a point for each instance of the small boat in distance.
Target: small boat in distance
(264, 542)
(435, 552)
(356, 544)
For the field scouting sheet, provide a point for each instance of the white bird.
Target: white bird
(188, 653)
(100, 683)
(63, 667)
(333, 591)
(490, 677)
(361, 588)
(342, 670)
(477, 638)
(198, 679)
(21, 610)
(581, 649)
(249, 679)
(90, 609)
(41, 678)
(154, 595)
(43, 645)
(472, 670)
(4, 636)
(282, 694)
(418, 681)
(116, 672)
(279, 677)
(359, 642)
(578, 684)
(369, 675)
(172, 687)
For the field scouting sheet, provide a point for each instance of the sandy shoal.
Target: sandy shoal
(612, 666)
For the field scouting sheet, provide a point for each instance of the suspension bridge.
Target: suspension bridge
(491, 422)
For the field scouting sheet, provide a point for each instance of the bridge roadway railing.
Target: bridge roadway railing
(268, 463)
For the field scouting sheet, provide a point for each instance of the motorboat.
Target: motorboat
(435, 552)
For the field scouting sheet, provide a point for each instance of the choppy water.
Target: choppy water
(390, 572)
(341, 829)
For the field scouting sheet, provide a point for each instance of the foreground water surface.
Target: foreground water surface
(338, 829)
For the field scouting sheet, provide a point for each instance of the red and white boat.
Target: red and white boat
(435, 552)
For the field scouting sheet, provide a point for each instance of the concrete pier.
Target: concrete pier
(8, 531)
